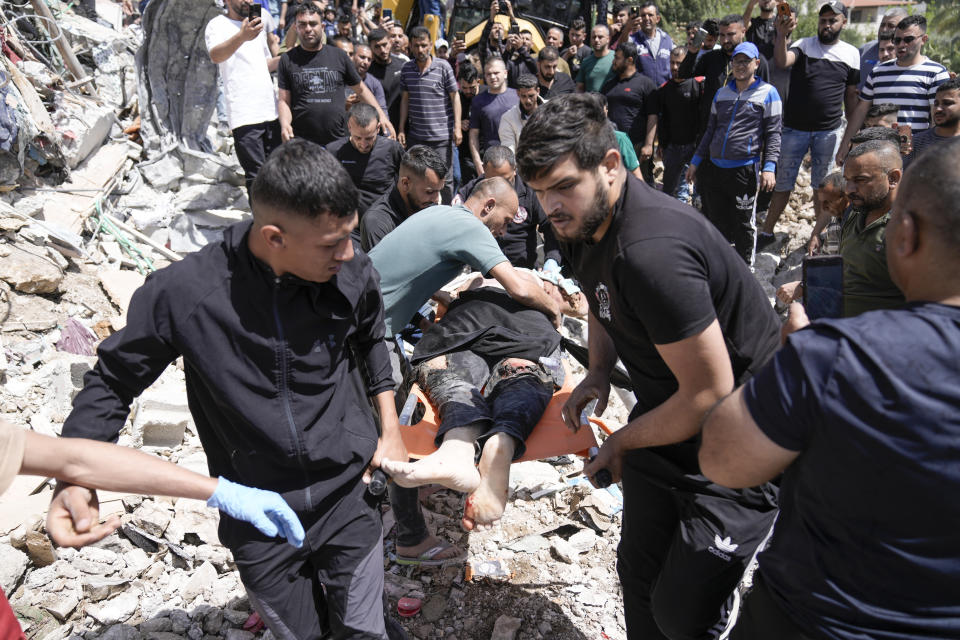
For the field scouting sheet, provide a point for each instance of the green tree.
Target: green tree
(943, 27)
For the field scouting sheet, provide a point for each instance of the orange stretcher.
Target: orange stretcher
(549, 438)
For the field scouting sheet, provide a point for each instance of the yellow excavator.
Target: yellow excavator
(470, 17)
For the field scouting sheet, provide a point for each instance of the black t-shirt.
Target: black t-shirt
(866, 541)
(818, 81)
(315, 80)
(629, 104)
(383, 216)
(679, 106)
(519, 240)
(562, 83)
(373, 173)
(389, 77)
(763, 33)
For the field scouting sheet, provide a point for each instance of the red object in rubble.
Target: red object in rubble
(253, 623)
(408, 607)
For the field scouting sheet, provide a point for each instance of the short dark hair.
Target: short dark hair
(468, 72)
(419, 158)
(526, 31)
(363, 114)
(940, 165)
(494, 58)
(629, 50)
(528, 81)
(887, 152)
(694, 24)
(835, 180)
(302, 178)
(498, 154)
(579, 24)
(875, 133)
(620, 6)
(950, 84)
(650, 3)
(309, 8)
(679, 50)
(571, 123)
(882, 109)
(419, 33)
(548, 54)
(377, 35)
(711, 26)
(343, 19)
(733, 18)
(909, 21)
(338, 39)
(885, 35)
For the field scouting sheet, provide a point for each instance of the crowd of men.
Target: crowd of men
(380, 171)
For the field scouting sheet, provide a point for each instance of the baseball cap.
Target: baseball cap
(441, 43)
(833, 5)
(748, 49)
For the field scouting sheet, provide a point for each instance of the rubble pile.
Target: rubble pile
(115, 169)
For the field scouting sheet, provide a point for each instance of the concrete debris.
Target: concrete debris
(40, 549)
(532, 476)
(29, 270)
(13, 564)
(115, 610)
(120, 286)
(152, 518)
(201, 583)
(583, 540)
(163, 172)
(505, 628)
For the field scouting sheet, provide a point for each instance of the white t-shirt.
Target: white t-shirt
(247, 85)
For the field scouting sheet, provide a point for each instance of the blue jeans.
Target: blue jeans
(794, 145)
(676, 158)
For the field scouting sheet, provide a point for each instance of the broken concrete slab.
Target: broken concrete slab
(201, 582)
(212, 167)
(27, 312)
(29, 270)
(206, 196)
(160, 428)
(40, 549)
(120, 286)
(532, 475)
(186, 237)
(83, 126)
(162, 172)
(115, 610)
(13, 564)
(152, 518)
(61, 604)
(505, 628)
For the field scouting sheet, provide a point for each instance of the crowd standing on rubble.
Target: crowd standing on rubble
(324, 206)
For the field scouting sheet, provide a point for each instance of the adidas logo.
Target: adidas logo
(744, 202)
(724, 544)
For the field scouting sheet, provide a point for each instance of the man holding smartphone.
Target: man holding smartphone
(246, 51)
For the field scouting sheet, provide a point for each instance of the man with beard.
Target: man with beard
(577, 52)
(555, 39)
(910, 82)
(684, 314)
(653, 43)
(946, 120)
(362, 58)
(418, 186)
(823, 80)
(511, 122)
(430, 104)
(311, 78)
(386, 68)
(631, 105)
(871, 53)
(762, 31)
(872, 171)
(487, 109)
(596, 68)
(468, 79)
(371, 160)
(716, 66)
(553, 82)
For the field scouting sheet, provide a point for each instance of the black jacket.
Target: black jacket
(271, 377)
(384, 215)
(519, 240)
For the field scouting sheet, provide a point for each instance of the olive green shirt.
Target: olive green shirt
(866, 280)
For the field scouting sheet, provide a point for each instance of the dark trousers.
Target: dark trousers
(676, 157)
(253, 144)
(445, 149)
(334, 583)
(682, 553)
(729, 202)
(514, 405)
(761, 617)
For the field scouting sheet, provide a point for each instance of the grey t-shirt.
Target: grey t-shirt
(426, 252)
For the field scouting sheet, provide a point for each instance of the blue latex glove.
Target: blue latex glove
(552, 269)
(265, 510)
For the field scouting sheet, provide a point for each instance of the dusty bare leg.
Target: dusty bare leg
(451, 465)
(486, 504)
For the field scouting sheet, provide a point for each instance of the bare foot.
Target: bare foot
(485, 505)
(451, 465)
(429, 542)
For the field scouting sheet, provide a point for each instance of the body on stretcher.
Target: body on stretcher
(550, 438)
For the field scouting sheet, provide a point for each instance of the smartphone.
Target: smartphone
(783, 10)
(387, 14)
(634, 12)
(699, 37)
(514, 29)
(823, 286)
(255, 10)
(462, 36)
(906, 138)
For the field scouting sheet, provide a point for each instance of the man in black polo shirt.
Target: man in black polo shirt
(520, 239)
(552, 82)
(629, 102)
(418, 187)
(311, 78)
(674, 302)
(678, 103)
(371, 160)
(386, 68)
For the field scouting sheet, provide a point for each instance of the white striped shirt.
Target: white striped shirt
(912, 89)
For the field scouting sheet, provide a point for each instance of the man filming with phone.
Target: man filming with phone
(245, 50)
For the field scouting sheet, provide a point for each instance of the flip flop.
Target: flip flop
(429, 557)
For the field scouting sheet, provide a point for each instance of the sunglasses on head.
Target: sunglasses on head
(904, 39)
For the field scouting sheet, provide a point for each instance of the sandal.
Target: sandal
(429, 557)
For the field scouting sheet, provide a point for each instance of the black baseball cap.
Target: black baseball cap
(834, 5)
